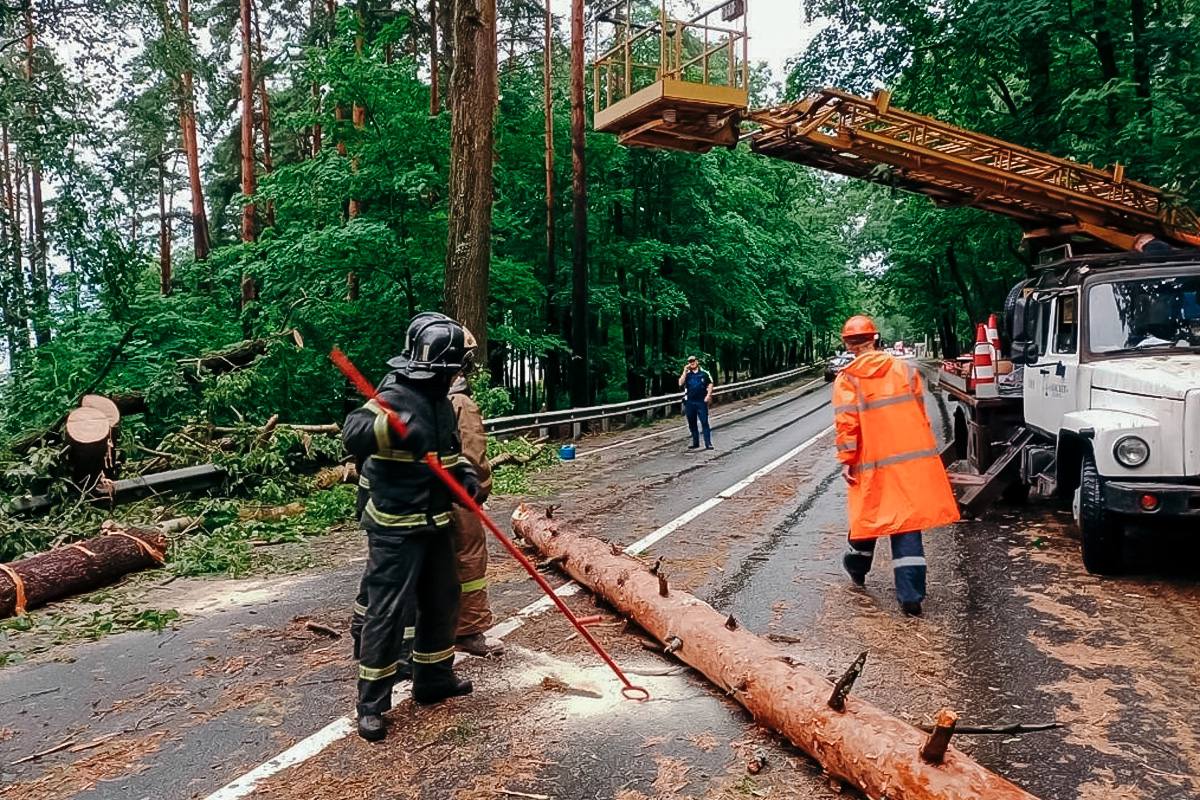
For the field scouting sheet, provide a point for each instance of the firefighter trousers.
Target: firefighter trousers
(407, 575)
(908, 563)
(474, 611)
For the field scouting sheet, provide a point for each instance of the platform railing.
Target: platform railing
(695, 50)
(628, 410)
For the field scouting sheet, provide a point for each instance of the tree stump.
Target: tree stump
(89, 433)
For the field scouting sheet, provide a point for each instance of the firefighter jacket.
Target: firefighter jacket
(883, 435)
(473, 436)
(404, 493)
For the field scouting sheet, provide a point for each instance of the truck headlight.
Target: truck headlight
(1131, 451)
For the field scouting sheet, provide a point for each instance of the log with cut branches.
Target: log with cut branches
(78, 567)
(237, 356)
(860, 744)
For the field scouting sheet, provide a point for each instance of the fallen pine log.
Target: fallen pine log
(78, 567)
(861, 745)
(331, 428)
(236, 356)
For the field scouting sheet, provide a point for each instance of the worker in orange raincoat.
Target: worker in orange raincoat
(897, 484)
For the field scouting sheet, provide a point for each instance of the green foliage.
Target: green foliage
(227, 544)
(493, 401)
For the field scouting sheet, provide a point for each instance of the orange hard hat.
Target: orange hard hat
(859, 325)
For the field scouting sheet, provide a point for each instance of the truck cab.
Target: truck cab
(1110, 352)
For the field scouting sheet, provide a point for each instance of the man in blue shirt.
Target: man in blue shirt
(697, 394)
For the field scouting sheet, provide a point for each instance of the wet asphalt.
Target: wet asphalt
(1014, 631)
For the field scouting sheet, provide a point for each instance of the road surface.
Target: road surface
(242, 700)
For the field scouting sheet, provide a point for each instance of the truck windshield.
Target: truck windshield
(1153, 314)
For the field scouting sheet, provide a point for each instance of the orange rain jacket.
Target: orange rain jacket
(883, 435)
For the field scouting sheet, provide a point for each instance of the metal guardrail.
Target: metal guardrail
(506, 426)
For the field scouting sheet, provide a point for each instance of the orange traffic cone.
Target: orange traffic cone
(985, 370)
(993, 335)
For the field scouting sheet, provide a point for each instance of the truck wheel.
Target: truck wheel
(1100, 533)
(1010, 304)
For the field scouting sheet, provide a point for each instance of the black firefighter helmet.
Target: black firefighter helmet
(434, 345)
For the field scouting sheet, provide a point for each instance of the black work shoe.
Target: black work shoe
(693, 447)
(911, 609)
(476, 644)
(372, 727)
(442, 690)
(858, 579)
(708, 447)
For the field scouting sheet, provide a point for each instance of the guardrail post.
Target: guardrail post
(604, 424)
(576, 430)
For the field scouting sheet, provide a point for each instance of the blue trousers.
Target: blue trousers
(697, 411)
(908, 563)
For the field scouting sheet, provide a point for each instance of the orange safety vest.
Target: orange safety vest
(883, 435)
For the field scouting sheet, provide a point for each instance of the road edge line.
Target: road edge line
(342, 727)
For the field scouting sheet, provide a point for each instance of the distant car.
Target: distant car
(836, 364)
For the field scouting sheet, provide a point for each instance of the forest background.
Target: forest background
(181, 176)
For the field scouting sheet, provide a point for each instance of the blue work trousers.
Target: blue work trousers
(697, 411)
(908, 563)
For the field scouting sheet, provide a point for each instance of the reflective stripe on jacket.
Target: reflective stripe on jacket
(403, 492)
(883, 435)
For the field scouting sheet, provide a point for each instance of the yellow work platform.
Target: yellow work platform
(675, 114)
(679, 84)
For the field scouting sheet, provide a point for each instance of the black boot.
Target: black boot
(433, 683)
(372, 727)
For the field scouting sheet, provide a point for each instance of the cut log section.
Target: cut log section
(861, 745)
(79, 567)
(89, 433)
(103, 405)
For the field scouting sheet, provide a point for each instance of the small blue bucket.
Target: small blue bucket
(567, 452)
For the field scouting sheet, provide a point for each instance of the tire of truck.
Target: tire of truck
(1010, 304)
(1101, 535)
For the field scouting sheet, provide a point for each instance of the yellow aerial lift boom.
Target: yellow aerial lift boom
(683, 85)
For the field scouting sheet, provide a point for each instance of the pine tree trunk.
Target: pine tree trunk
(191, 146)
(579, 260)
(249, 231)
(15, 306)
(38, 270)
(551, 376)
(472, 109)
(435, 100)
(265, 111)
(164, 230)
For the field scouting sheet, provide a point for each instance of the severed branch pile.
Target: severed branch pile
(859, 743)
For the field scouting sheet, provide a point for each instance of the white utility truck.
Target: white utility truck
(1107, 348)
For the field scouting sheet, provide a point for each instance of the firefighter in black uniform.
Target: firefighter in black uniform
(410, 547)
(360, 505)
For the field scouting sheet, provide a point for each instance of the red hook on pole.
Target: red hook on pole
(365, 388)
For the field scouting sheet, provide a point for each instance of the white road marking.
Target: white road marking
(344, 726)
(298, 753)
(624, 442)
